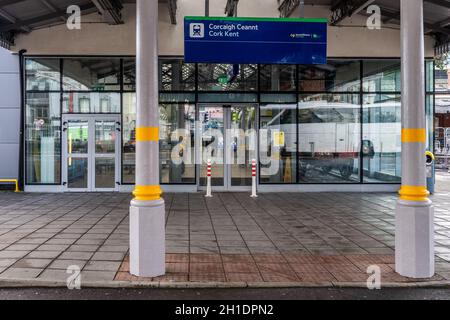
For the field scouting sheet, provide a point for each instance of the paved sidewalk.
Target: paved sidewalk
(277, 238)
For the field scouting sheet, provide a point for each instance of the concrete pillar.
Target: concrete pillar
(147, 214)
(414, 229)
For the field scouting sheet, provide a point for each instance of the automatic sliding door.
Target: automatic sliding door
(227, 136)
(242, 146)
(212, 143)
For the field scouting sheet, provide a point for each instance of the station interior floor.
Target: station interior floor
(278, 237)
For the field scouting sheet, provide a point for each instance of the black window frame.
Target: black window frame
(124, 89)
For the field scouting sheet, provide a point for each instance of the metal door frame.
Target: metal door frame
(227, 187)
(92, 155)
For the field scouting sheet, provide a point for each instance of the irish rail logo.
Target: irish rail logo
(197, 30)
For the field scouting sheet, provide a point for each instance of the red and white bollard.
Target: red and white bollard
(208, 180)
(254, 195)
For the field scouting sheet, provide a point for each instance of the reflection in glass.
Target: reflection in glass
(85, 105)
(442, 81)
(440, 116)
(242, 142)
(429, 75)
(177, 132)
(329, 136)
(228, 97)
(277, 77)
(91, 102)
(227, 77)
(224, 84)
(42, 74)
(175, 75)
(105, 173)
(105, 137)
(336, 76)
(96, 74)
(77, 173)
(381, 76)
(381, 138)
(281, 98)
(77, 137)
(212, 144)
(429, 111)
(176, 145)
(128, 138)
(176, 97)
(278, 143)
(129, 74)
(43, 143)
(442, 122)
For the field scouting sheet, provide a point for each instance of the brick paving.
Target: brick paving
(272, 268)
(310, 238)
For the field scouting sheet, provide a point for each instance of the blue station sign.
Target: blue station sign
(255, 40)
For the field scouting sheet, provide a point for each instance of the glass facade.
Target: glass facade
(91, 74)
(227, 77)
(329, 138)
(43, 138)
(382, 138)
(338, 123)
(177, 143)
(128, 137)
(278, 161)
(441, 116)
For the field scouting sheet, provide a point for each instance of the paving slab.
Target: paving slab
(43, 254)
(52, 275)
(74, 255)
(43, 234)
(20, 273)
(62, 264)
(32, 263)
(102, 266)
(108, 256)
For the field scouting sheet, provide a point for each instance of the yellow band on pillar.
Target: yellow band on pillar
(431, 155)
(147, 193)
(410, 193)
(414, 136)
(147, 134)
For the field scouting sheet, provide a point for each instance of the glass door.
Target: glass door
(91, 153)
(105, 155)
(211, 133)
(77, 158)
(242, 145)
(227, 136)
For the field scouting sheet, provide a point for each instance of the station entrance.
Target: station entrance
(227, 136)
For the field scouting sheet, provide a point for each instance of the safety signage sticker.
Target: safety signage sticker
(278, 139)
(255, 40)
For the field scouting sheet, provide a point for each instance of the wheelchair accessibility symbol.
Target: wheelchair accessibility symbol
(197, 30)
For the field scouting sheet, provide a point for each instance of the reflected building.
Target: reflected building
(337, 123)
